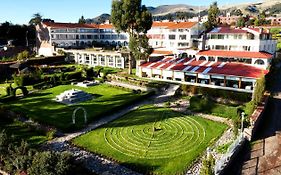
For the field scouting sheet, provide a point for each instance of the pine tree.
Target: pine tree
(133, 18)
(213, 14)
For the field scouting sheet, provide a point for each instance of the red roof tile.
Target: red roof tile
(162, 52)
(235, 54)
(105, 26)
(238, 69)
(182, 25)
(227, 30)
(69, 25)
(229, 69)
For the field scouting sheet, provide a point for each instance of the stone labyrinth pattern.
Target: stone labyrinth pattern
(166, 138)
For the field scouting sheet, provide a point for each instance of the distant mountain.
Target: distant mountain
(99, 19)
(184, 11)
(252, 8)
(170, 9)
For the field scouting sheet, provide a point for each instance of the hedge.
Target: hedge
(205, 105)
(216, 93)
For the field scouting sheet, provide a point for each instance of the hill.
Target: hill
(184, 11)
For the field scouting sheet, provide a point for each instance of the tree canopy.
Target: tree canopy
(82, 20)
(213, 13)
(36, 19)
(132, 17)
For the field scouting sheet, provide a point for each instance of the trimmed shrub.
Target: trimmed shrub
(74, 76)
(259, 90)
(215, 93)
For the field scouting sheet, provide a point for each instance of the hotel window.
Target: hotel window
(183, 44)
(118, 61)
(87, 59)
(89, 36)
(220, 36)
(214, 36)
(182, 37)
(220, 47)
(172, 37)
(211, 59)
(52, 36)
(181, 30)
(95, 59)
(102, 60)
(110, 60)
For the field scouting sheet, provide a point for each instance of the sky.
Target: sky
(21, 11)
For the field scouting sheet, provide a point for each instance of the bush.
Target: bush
(206, 105)
(249, 108)
(259, 90)
(215, 93)
(51, 134)
(74, 76)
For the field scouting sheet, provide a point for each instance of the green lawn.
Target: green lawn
(19, 131)
(207, 106)
(153, 140)
(3, 89)
(42, 107)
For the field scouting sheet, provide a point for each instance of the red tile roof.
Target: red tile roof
(182, 25)
(260, 30)
(211, 68)
(162, 24)
(239, 69)
(227, 30)
(162, 52)
(235, 54)
(105, 26)
(69, 25)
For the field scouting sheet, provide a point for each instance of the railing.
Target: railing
(233, 149)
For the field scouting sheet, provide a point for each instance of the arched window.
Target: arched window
(259, 62)
(202, 58)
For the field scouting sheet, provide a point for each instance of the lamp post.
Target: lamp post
(242, 122)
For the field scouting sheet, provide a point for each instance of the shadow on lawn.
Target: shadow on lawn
(41, 107)
(143, 116)
(144, 168)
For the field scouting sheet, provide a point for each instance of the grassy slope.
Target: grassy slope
(42, 107)
(95, 142)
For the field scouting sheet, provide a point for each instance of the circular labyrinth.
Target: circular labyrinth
(167, 138)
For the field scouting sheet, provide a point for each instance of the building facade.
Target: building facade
(95, 58)
(174, 35)
(51, 35)
(233, 59)
(170, 35)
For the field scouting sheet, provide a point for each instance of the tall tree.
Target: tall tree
(36, 19)
(213, 14)
(132, 17)
(82, 20)
(240, 22)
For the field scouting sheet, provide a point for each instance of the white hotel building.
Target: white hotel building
(230, 58)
